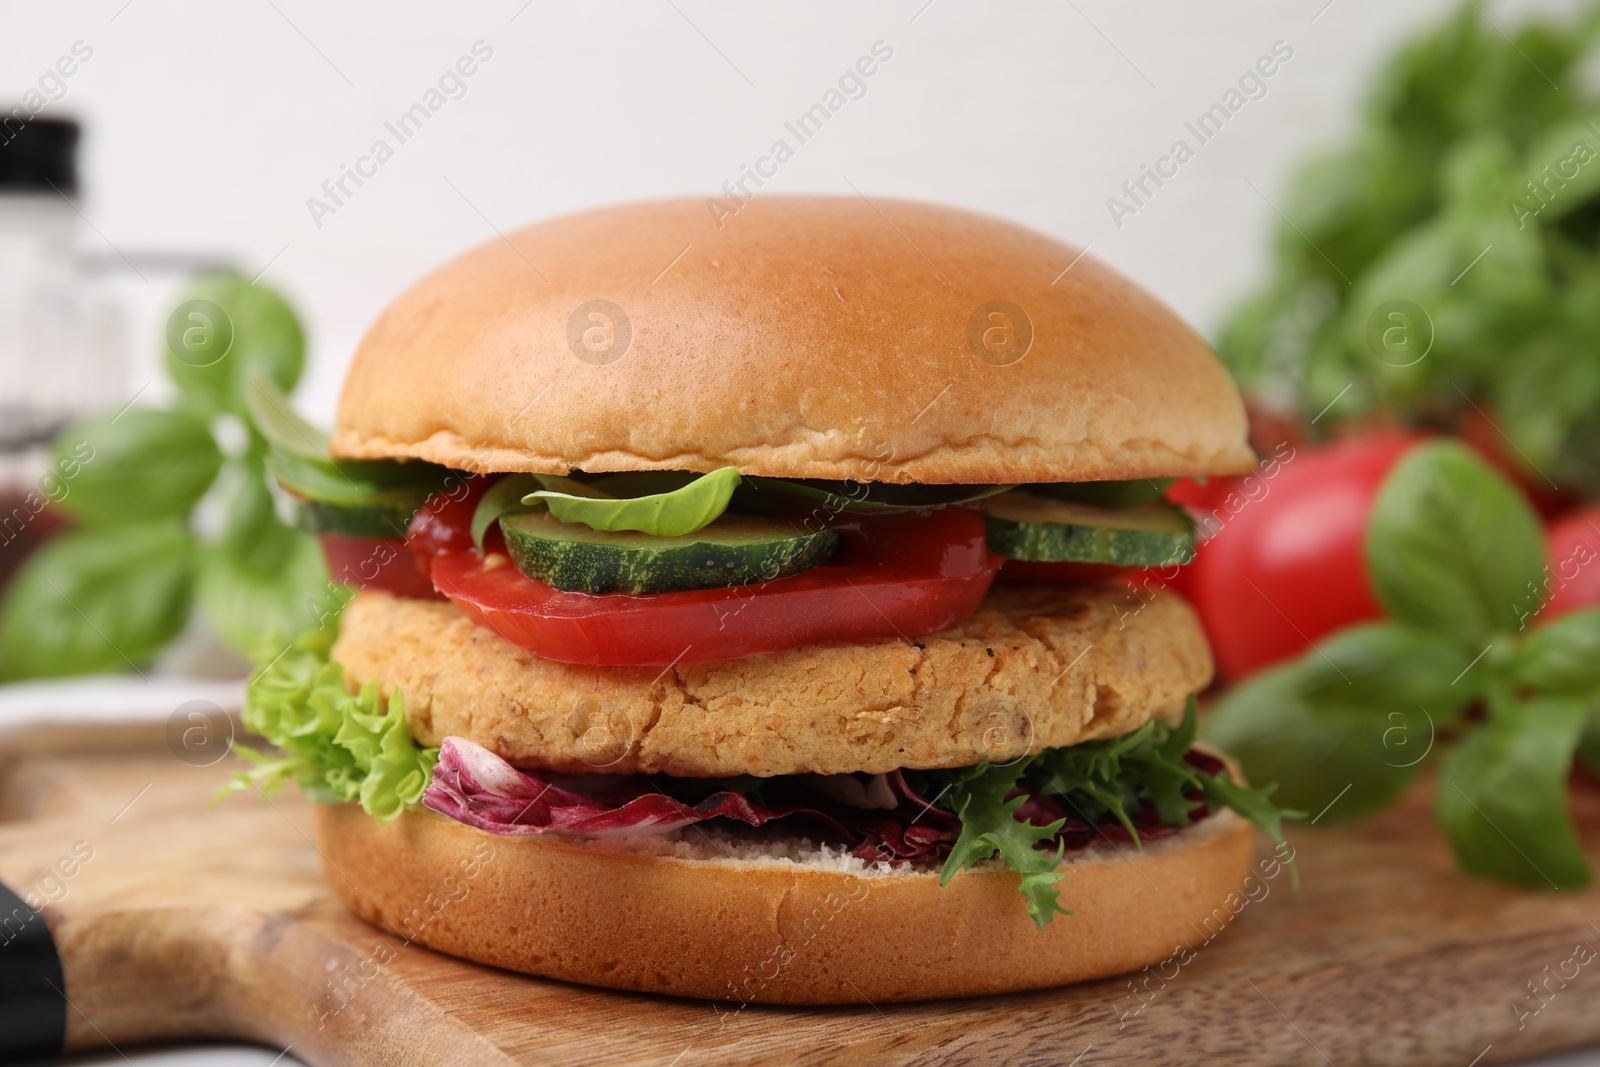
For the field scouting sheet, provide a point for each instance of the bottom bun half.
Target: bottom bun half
(745, 923)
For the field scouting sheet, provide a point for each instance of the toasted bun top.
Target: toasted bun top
(803, 336)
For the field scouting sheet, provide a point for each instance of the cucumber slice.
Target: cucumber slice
(1031, 527)
(358, 520)
(733, 550)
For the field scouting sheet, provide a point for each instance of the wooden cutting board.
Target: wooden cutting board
(191, 920)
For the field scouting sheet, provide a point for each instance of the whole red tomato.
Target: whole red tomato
(1286, 564)
(1573, 546)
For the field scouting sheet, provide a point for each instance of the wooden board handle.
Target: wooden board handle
(33, 1001)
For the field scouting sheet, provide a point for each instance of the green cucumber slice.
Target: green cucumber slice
(1032, 527)
(733, 550)
(358, 520)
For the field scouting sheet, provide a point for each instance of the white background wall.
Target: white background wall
(210, 124)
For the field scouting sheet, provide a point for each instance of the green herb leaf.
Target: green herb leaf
(299, 460)
(1340, 763)
(139, 464)
(504, 496)
(672, 514)
(1095, 781)
(1502, 797)
(337, 746)
(989, 827)
(1452, 546)
(97, 600)
(1387, 665)
(257, 334)
(1562, 658)
(276, 420)
(263, 581)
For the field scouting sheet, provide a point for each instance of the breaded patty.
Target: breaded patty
(1033, 668)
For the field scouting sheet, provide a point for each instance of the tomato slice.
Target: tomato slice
(899, 574)
(377, 563)
(1037, 572)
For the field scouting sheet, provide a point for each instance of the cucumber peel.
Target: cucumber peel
(1026, 526)
(733, 550)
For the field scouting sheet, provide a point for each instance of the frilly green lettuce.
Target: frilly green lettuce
(336, 745)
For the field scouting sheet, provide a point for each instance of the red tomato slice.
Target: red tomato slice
(900, 574)
(376, 563)
(1033, 572)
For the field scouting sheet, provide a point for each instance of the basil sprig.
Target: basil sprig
(1461, 675)
(674, 513)
(297, 455)
(110, 594)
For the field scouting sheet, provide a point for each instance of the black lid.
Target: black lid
(37, 154)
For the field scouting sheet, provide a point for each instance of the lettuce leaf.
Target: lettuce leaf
(336, 745)
(1151, 776)
(990, 827)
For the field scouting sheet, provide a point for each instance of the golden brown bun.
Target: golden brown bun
(768, 931)
(810, 336)
(942, 701)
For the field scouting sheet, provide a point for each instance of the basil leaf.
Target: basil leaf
(1336, 762)
(768, 494)
(989, 827)
(1390, 664)
(299, 460)
(503, 497)
(276, 420)
(1502, 797)
(1562, 658)
(97, 600)
(1453, 546)
(1129, 494)
(140, 464)
(257, 334)
(362, 482)
(672, 514)
(263, 582)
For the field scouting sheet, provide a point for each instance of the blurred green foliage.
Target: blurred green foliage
(1449, 258)
(109, 594)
